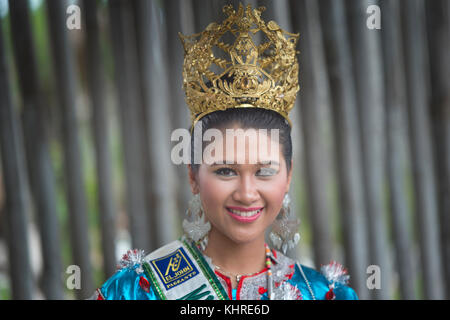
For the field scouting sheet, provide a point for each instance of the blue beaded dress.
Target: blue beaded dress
(181, 268)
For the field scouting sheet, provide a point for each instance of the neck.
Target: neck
(236, 258)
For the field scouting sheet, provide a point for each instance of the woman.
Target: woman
(236, 90)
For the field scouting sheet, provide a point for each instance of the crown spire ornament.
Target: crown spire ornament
(220, 74)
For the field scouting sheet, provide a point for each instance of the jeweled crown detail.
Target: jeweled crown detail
(220, 74)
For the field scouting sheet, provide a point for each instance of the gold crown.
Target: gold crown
(219, 75)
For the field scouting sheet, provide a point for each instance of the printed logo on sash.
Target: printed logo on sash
(174, 268)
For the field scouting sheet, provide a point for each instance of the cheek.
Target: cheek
(210, 191)
(213, 192)
(273, 194)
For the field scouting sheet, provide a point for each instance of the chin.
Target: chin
(244, 237)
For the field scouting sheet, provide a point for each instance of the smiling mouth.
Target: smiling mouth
(243, 214)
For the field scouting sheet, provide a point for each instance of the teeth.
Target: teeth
(245, 213)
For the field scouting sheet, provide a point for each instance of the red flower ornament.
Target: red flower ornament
(145, 285)
(262, 290)
(335, 274)
(330, 295)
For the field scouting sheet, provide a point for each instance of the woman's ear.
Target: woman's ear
(289, 178)
(192, 180)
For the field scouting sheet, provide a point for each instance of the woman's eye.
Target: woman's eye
(266, 172)
(227, 172)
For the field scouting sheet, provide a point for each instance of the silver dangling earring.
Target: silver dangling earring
(195, 225)
(284, 234)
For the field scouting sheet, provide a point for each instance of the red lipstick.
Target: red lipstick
(244, 215)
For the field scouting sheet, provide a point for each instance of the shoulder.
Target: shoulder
(129, 282)
(330, 283)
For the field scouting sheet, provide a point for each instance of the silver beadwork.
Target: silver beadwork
(195, 225)
(286, 291)
(132, 258)
(284, 234)
(306, 281)
(335, 273)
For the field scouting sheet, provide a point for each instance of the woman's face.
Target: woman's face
(242, 199)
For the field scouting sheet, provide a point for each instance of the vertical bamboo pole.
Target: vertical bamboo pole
(179, 110)
(413, 18)
(36, 142)
(370, 97)
(187, 18)
(396, 140)
(154, 78)
(17, 201)
(66, 85)
(439, 48)
(96, 86)
(128, 90)
(314, 101)
(349, 168)
(206, 12)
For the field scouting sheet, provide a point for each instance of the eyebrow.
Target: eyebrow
(270, 162)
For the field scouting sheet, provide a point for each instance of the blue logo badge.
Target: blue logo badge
(174, 268)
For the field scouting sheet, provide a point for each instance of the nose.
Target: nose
(247, 191)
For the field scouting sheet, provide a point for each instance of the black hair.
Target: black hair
(246, 118)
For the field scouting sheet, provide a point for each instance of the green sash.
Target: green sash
(178, 271)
